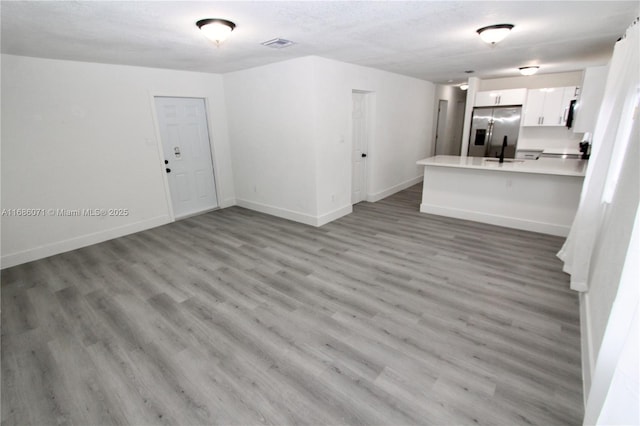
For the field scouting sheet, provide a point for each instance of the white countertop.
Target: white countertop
(561, 151)
(547, 166)
(553, 151)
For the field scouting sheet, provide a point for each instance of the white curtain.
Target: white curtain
(610, 139)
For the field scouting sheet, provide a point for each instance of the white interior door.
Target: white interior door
(187, 154)
(359, 138)
(441, 128)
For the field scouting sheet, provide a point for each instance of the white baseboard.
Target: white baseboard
(506, 221)
(372, 198)
(228, 202)
(305, 218)
(58, 247)
(586, 340)
(331, 216)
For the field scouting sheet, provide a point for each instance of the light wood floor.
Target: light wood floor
(386, 316)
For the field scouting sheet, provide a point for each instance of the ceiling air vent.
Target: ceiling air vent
(277, 43)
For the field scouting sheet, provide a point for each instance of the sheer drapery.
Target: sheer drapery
(610, 139)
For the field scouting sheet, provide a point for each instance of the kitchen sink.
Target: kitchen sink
(506, 160)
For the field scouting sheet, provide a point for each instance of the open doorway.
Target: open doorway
(441, 143)
(448, 120)
(458, 125)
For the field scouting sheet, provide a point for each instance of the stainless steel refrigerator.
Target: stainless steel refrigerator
(490, 126)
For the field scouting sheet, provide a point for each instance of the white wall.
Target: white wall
(271, 126)
(548, 137)
(591, 94)
(451, 139)
(82, 135)
(290, 127)
(401, 131)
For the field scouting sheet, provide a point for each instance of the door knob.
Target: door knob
(364, 155)
(168, 170)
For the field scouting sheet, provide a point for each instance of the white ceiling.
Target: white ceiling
(431, 40)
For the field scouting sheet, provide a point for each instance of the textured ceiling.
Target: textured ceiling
(431, 40)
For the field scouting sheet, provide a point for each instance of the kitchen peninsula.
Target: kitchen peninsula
(534, 195)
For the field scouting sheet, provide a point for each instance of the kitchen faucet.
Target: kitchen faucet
(504, 145)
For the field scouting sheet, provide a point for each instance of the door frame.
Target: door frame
(370, 100)
(160, 147)
(439, 131)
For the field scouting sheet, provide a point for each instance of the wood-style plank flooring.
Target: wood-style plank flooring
(384, 317)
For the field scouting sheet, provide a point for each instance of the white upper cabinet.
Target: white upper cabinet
(501, 97)
(534, 107)
(548, 107)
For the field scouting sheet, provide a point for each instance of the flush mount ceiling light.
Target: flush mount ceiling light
(529, 70)
(464, 86)
(494, 33)
(216, 30)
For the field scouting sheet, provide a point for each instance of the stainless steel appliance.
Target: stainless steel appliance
(490, 126)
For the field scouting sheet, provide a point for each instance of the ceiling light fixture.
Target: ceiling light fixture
(216, 30)
(494, 33)
(529, 70)
(464, 86)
